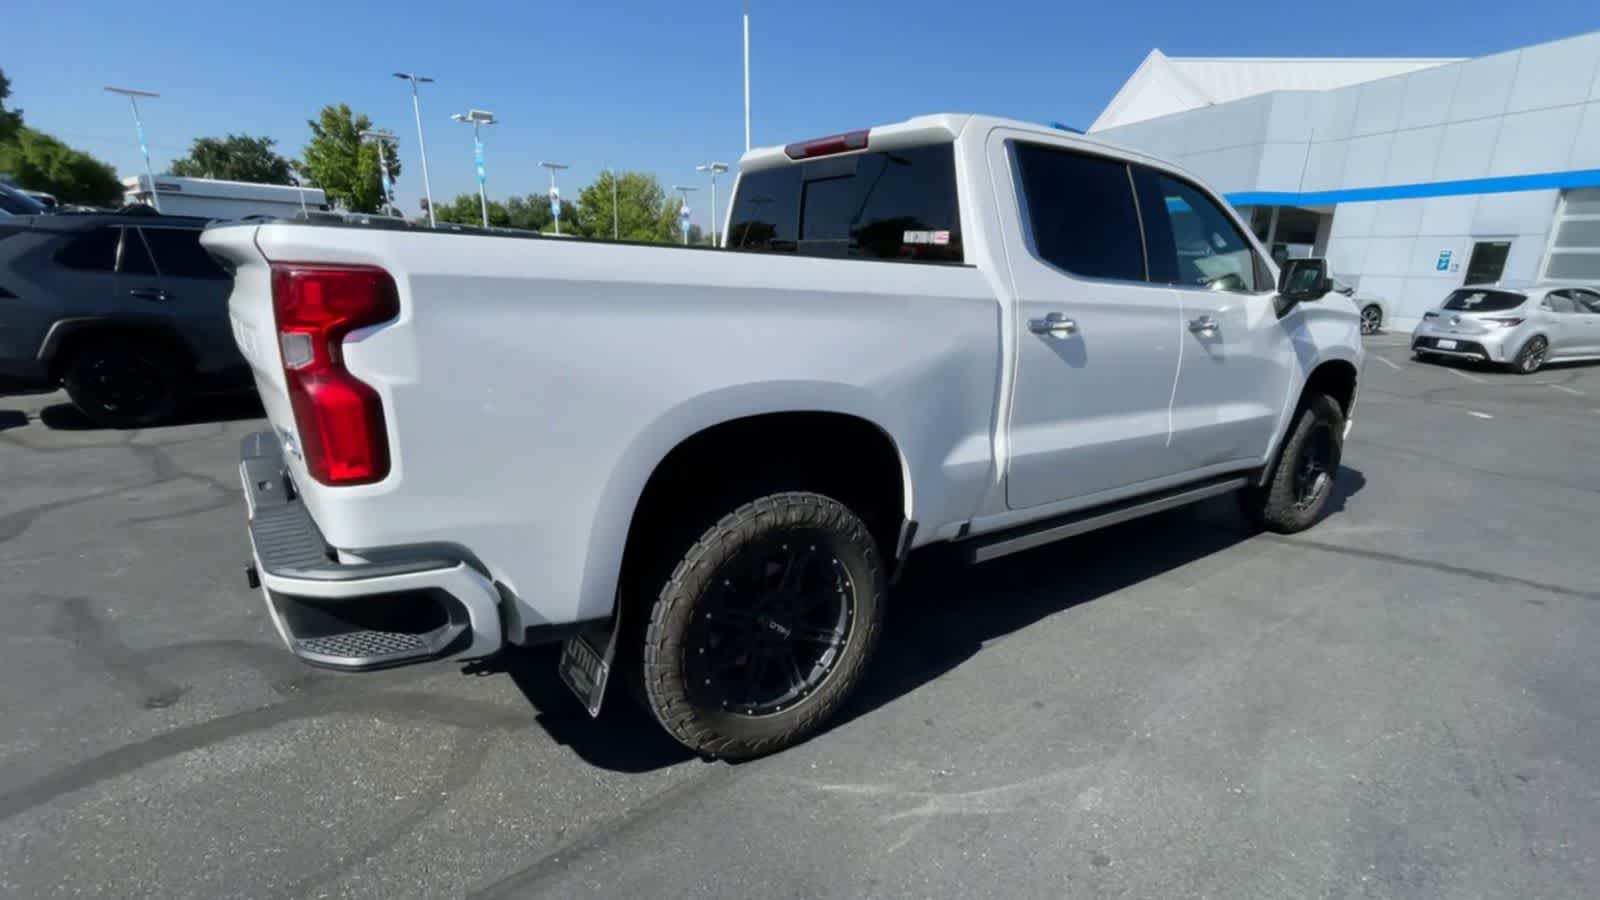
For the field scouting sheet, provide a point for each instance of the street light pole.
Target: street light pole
(714, 168)
(382, 137)
(477, 118)
(133, 96)
(683, 209)
(422, 146)
(747, 76)
(555, 192)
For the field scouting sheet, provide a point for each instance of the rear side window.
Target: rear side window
(888, 204)
(91, 251)
(1468, 300)
(178, 253)
(1559, 301)
(1081, 213)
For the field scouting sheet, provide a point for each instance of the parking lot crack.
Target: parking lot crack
(1445, 568)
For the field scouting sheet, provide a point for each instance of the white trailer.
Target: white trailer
(216, 199)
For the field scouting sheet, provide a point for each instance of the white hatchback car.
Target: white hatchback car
(1520, 327)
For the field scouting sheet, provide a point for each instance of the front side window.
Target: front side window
(91, 251)
(178, 253)
(1588, 301)
(1192, 242)
(888, 204)
(1081, 213)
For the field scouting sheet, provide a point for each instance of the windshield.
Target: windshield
(1470, 300)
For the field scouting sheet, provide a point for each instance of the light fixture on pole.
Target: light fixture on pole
(382, 137)
(715, 168)
(422, 147)
(477, 118)
(683, 210)
(133, 96)
(747, 76)
(555, 192)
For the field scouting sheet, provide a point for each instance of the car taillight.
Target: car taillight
(834, 143)
(340, 419)
(1505, 321)
(1430, 315)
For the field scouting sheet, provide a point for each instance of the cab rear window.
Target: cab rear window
(1467, 300)
(891, 205)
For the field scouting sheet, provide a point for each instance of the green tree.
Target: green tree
(237, 157)
(342, 164)
(39, 162)
(644, 213)
(465, 210)
(10, 119)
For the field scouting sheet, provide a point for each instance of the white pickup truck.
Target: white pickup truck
(701, 469)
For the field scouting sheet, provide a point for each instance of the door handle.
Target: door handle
(1203, 325)
(1055, 324)
(149, 293)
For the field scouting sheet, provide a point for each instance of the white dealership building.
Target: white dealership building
(1413, 176)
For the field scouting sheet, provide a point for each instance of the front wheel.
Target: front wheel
(765, 626)
(1300, 481)
(1371, 318)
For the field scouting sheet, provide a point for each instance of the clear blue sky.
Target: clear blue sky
(655, 84)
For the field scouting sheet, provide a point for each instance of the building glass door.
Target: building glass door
(1488, 262)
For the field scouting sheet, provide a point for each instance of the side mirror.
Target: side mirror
(1301, 280)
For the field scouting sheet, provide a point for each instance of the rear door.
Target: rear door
(1237, 357)
(194, 291)
(1097, 343)
(1565, 325)
(1589, 314)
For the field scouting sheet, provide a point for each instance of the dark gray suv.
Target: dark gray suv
(127, 312)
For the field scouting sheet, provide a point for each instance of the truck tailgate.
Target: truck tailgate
(250, 312)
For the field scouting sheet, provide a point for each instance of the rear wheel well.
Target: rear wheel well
(74, 341)
(1337, 379)
(709, 474)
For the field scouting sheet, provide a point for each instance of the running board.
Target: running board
(1036, 534)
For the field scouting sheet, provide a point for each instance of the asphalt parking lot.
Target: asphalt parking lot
(1401, 702)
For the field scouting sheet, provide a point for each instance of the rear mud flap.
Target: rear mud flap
(586, 662)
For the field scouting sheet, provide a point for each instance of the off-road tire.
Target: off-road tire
(714, 731)
(1278, 506)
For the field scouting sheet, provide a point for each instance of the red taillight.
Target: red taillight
(836, 143)
(340, 419)
(1504, 321)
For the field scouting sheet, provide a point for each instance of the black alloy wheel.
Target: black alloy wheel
(771, 627)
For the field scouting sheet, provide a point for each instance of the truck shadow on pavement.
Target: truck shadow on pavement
(939, 616)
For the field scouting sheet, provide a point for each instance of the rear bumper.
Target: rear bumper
(1485, 347)
(412, 607)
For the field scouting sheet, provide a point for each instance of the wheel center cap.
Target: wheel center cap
(774, 626)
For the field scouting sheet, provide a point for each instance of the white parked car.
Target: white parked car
(702, 468)
(1521, 327)
(1374, 310)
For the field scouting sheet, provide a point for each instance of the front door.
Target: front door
(1237, 358)
(1097, 344)
(1589, 315)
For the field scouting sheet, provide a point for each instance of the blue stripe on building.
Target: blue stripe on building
(1500, 185)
